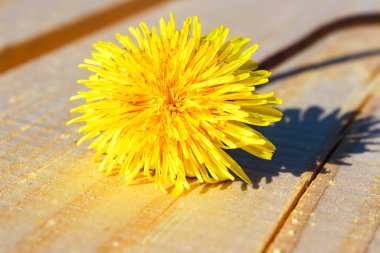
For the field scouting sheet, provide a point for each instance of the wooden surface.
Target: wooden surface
(320, 193)
(341, 206)
(29, 29)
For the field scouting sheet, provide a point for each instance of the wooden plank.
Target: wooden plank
(22, 19)
(29, 29)
(375, 242)
(52, 199)
(339, 212)
(228, 219)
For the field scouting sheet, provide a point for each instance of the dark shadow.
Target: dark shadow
(306, 138)
(359, 139)
(220, 185)
(342, 59)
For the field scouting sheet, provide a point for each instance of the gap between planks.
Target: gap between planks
(24, 51)
(343, 133)
(298, 46)
(299, 220)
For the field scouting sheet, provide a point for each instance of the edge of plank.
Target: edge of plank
(24, 51)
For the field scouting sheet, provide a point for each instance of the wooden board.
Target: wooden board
(52, 199)
(29, 29)
(339, 212)
(22, 19)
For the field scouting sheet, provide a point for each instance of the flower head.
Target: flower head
(171, 103)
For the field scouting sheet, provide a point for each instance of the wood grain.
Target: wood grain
(339, 211)
(52, 199)
(234, 220)
(22, 19)
(29, 29)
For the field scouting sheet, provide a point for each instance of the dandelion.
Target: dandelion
(169, 104)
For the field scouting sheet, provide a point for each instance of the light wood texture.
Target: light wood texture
(23, 19)
(375, 242)
(29, 29)
(52, 199)
(340, 210)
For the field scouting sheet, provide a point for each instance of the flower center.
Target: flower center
(173, 102)
(175, 105)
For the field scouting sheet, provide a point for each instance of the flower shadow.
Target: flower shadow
(305, 139)
(220, 185)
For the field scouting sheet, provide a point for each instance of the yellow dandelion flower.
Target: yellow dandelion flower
(171, 103)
